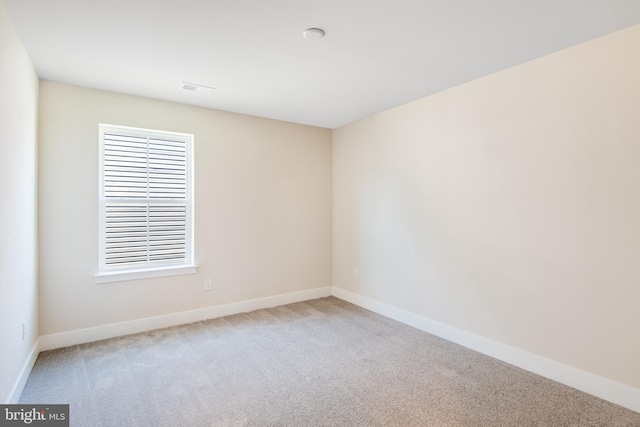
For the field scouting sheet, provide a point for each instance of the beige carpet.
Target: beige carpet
(318, 363)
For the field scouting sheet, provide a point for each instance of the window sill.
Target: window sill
(124, 275)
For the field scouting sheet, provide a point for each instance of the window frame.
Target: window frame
(106, 274)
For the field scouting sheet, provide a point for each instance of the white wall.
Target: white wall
(18, 219)
(508, 207)
(262, 209)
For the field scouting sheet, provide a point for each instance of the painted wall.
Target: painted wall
(262, 209)
(508, 207)
(18, 209)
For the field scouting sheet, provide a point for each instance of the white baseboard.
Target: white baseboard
(14, 396)
(80, 336)
(603, 388)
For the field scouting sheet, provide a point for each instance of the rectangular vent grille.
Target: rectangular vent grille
(194, 87)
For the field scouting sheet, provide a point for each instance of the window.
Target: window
(146, 205)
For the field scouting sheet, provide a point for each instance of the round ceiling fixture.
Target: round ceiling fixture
(313, 34)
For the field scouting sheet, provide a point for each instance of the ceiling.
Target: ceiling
(375, 55)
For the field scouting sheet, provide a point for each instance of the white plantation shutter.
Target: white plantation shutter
(146, 205)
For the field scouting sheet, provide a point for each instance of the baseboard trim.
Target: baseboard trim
(603, 388)
(81, 336)
(16, 392)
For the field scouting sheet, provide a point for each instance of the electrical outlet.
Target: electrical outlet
(355, 274)
(207, 284)
(24, 330)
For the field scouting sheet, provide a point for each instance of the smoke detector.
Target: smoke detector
(313, 34)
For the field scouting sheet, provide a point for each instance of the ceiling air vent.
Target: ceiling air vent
(193, 87)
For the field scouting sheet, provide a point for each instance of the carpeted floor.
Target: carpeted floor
(317, 363)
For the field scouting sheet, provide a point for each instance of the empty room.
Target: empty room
(338, 213)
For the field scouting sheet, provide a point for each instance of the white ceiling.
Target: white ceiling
(376, 54)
